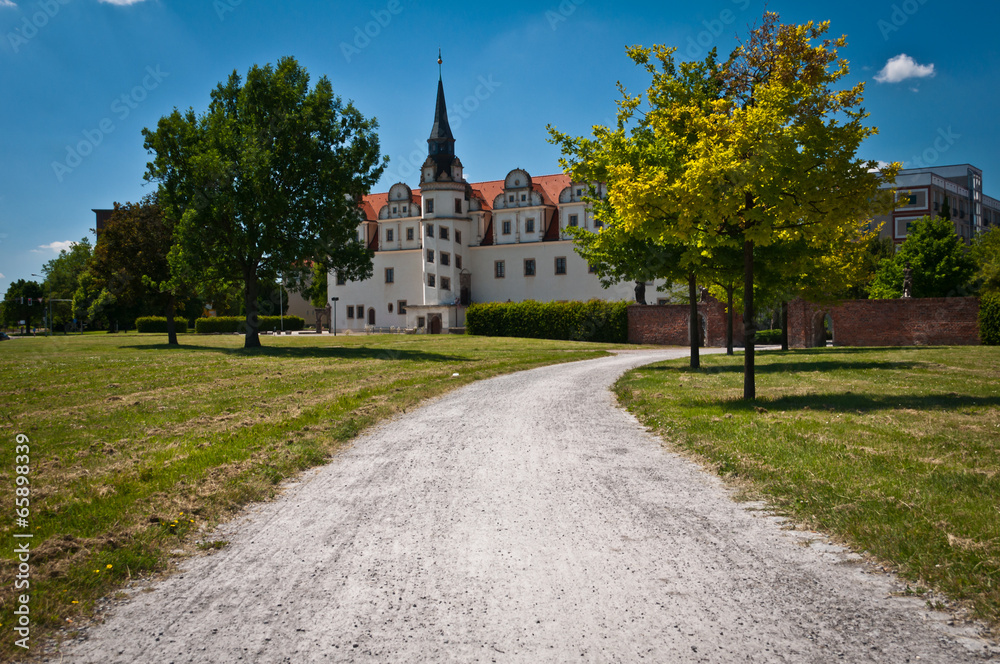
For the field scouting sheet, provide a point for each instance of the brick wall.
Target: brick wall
(668, 324)
(949, 321)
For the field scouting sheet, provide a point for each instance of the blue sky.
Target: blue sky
(82, 78)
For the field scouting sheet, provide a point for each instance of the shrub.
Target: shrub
(989, 319)
(234, 324)
(158, 325)
(595, 320)
(768, 336)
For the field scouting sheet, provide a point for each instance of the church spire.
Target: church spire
(441, 143)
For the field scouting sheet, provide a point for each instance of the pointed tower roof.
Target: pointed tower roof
(441, 142)
(441, 129)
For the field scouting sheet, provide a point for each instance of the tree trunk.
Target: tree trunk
(784, 325)
(749, 328)
(729, 319)
(252, 339)
(694, 326)
(171, 326)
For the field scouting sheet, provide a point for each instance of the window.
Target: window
(512, 198)
(421, 321)
(662, 300)
(388, 235)
(340, 279)
(523, 198)
(579, 192)
(529, 267)
(431, 280)
(591, 269)
(561, 265)
(350, 312)
(394, 209)
(430, 230)
(430, 205)
(401, 307)
(574, 220)
(498, 269)
(458, 237)
(458, 262)
(445, 259)
(445, 283)
(443, 233)
(598, 223)
(430, 255)
(409, 234)
(529, 226)
(404, 208)
(390, 307)
(506, 228)
(359, 309)
(458, 206)
(390, 275)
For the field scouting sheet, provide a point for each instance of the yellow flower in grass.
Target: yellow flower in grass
(108, 567)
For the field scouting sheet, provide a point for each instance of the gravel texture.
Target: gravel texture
(521, 519)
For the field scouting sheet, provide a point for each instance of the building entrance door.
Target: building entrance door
(436, 324)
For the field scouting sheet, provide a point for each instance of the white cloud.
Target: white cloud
(1, 276)
(7, 3)
(55, 247)
(901, 68)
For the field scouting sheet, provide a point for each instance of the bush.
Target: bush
(989, 319)
(234, 324)
(158, 325)
(768, 336)
(595, 320)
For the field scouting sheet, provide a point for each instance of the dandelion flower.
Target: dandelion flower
(108, 567)
(75, 602)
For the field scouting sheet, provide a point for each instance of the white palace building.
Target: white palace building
(451, 242)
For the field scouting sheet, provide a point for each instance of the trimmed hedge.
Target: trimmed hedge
(238, 324)
(158, 325)
(595, 320)
(768, 336)
(989, 319)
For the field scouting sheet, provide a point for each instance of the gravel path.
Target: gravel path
(520, 519)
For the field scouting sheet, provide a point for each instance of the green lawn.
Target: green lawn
(894, 451)
(135, 447)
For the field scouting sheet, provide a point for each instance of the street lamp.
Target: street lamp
(48, 321)
(334, 300)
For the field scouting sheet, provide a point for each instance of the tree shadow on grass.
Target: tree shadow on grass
(793, 367)
(312, 352)
(864, 403)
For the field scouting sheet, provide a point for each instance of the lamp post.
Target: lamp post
(334, 300)
(48, 321)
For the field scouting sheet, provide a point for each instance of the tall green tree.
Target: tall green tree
(62, 278)
(130, 265)
(270, 177)
(941, 263)
(985, 253)
(758, 151)
(23, 301)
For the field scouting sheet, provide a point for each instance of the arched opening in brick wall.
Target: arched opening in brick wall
(822, 323)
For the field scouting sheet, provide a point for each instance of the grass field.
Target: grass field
(894, 451)
(136, 447)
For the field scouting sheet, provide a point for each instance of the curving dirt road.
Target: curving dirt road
(520, 519)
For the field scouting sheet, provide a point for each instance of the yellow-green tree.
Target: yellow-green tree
(754, 152)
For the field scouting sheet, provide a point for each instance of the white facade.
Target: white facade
(451, 243)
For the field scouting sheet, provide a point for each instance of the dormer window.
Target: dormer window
(430, 205)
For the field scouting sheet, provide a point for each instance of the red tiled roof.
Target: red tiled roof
(549, 186)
